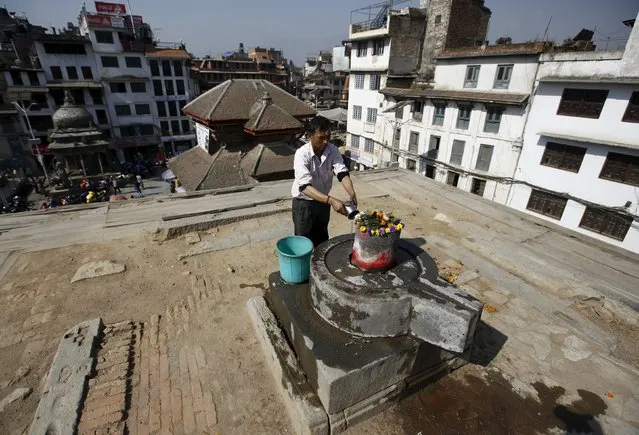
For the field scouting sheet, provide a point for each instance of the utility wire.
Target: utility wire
(509, 180)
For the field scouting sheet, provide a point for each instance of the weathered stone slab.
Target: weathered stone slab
(305, 411)
(192, 238)
(96, 269)
(408, 299)
(345, 369)
(17, 394)
(217, 244)
(66, 382)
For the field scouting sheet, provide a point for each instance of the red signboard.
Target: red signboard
(110, 8)
(99, 20)
(137, 20)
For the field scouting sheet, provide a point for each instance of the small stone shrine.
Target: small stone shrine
(349, 343)
(76, 141)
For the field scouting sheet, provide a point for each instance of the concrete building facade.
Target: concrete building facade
(395, 40)
(466, 131)
(382, 48)
(125, 73)
(256, 63)
(579, 166)
(69, 63)
(173, 88)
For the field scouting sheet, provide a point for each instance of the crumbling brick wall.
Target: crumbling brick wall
(452, 23)
(468, 24)
(407, 34)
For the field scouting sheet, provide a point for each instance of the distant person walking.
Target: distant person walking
(138, 184)
(115, 185)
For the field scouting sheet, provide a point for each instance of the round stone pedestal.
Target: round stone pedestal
(374, 304)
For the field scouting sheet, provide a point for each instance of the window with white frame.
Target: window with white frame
(357, 112)
(378, 47)
(463, 117)
(493, 119)
(375, 81)
(369, 147)
(418, 110)
(371, 115)
(502, 78)
(457, 153)
(354, 141)
(439, 113)
(413, 142)
(359, 81)
(362, 49)
(472, 74)
(484, 157)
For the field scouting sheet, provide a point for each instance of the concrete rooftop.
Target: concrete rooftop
(540, 282)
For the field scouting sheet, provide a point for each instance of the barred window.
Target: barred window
(547, 204)
(583, 103)
(564, 157)
(609, 224)
(371, 115)
(622, 168)
(357, 112)
(359, 81)
(354, 141)
(369, 146)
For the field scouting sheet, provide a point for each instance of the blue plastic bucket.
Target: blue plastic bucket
(294, 254)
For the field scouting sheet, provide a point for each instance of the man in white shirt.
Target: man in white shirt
(315, 164)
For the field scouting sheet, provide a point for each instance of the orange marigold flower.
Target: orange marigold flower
(383, 222)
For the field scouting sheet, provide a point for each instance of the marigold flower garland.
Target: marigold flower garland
(378, 223)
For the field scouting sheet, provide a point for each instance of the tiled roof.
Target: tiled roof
(191, 167)
(233, 166)
(267, 116)
(170, 53)
(269, 160)
(494, 50)
(234, 99)
(444, 94)
(226, 171)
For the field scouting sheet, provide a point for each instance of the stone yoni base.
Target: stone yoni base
(324, 371)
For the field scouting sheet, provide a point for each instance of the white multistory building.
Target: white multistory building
(172, 89)
(466, 130)
(27, 88)
(125, 74)
(376, 55)
(579, 166)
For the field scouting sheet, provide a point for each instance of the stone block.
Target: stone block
(306, 413)
(96, 269)
(345, 369)
(66, 382)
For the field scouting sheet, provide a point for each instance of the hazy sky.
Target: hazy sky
(302, 27)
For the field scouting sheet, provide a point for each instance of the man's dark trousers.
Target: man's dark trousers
(311, 220)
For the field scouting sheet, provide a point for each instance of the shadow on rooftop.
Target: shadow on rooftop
(487, 344)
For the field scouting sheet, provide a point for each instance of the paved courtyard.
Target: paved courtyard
(556, 350)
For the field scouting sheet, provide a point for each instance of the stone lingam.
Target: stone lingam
(350, 342)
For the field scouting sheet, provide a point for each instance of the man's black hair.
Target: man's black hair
(318, 123)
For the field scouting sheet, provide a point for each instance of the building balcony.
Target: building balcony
(369, 22)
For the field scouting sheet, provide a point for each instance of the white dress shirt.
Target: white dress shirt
(316, 171)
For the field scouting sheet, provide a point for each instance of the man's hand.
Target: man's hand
(337, 205)
(354, 198)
